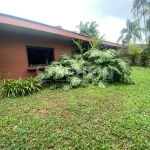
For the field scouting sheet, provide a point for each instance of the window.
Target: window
(39, 55)
(78, 51)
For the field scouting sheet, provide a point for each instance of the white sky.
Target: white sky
(68, 13)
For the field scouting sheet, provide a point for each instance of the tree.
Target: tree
(136, 13)
(148, 25)
(144, 12)
(88, 29)
(145, 55)
(141, 11)
(130, 33)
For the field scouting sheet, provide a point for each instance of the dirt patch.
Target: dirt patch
(88, 122)
(59, 105)
(39, 113)
(42, 97)
(66, 115)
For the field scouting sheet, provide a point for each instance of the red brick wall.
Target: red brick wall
(13, 57)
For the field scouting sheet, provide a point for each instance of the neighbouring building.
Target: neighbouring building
(26, 44)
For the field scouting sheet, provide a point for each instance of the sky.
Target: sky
(111, 15)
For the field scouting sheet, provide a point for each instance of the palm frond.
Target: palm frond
(79, 45)
(120, 38)
(124, 31)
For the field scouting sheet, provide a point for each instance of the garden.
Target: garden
(98, 99)
(92, 100)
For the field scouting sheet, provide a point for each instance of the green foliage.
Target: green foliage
(145, 56)
(74, 81)
(56, 72)
(79, 45)
(93, 67)
(13, 88)
(131, 33)
(134, 48)
(97, 42)
(88, 29)
(65, 56)
(141, 11)
(148, 24)
(102, 84)
(106, 66)
(133, 54)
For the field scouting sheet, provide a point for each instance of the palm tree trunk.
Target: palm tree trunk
(139, 25)
(145, 24)
(140, 30)
(145, 29)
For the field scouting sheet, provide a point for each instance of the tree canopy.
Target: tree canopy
(88, 28)
(141, 11)
(130, 33)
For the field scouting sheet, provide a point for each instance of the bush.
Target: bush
(93, 67)
(145, 56)
(132, 54)
(134, 58)
(134, 49)
(13, 88)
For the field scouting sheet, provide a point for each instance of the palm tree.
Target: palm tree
(88, 29)
(143, 14)
(130, 33)
(144, 11)
(93, 31)
(141, 11)
(83, 28)
(148, 25)
(136, 13)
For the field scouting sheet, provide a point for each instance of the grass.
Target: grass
(117, 117)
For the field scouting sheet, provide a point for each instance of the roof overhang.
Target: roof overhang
(120, 46)
(20, 25)
(15, 24)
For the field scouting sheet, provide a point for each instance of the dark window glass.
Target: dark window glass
(39, 56)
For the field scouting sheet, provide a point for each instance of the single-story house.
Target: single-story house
(26, 44)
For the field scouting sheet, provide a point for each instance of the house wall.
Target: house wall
(13, 57)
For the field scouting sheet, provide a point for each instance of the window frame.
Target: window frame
(38, 47)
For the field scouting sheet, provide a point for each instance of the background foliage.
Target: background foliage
(145, 56)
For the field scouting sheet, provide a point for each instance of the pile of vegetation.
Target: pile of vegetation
(96, 67)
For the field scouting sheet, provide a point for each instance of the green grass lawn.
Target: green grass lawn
(117, 117)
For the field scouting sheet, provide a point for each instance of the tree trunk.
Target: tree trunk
(139, 26)
(145, 29)
(140, 31)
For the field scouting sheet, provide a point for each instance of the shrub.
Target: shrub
(93, 67)
(145, 56)
(134, 48)
(132, 54)
(13, 88)
(106, 67)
